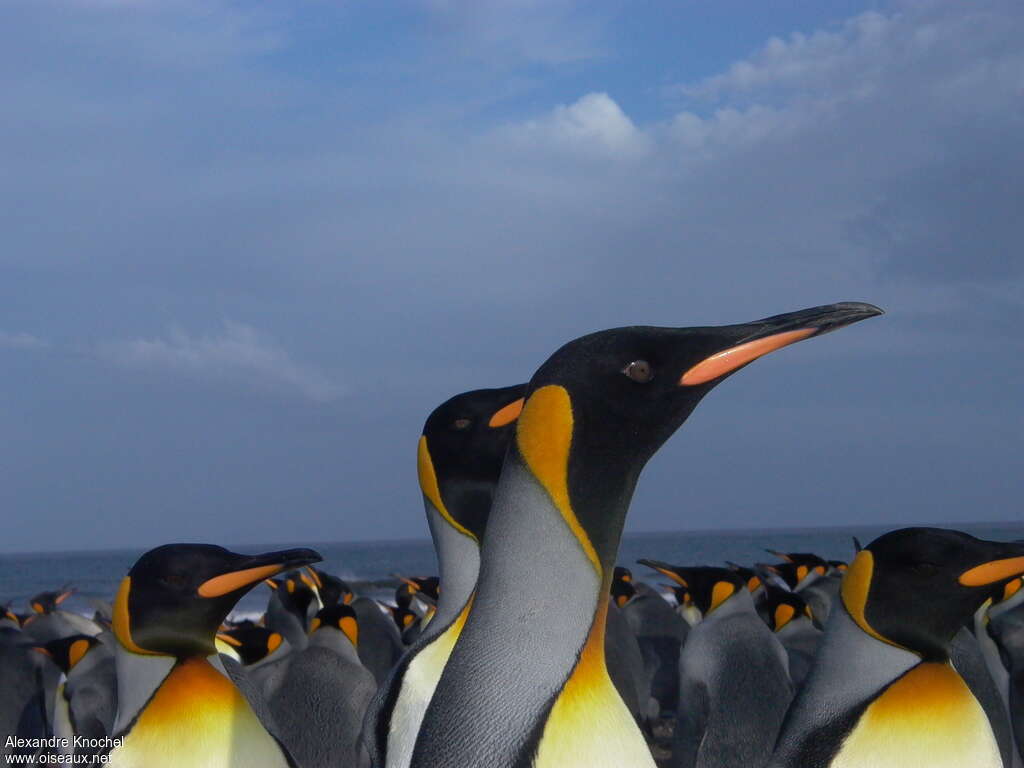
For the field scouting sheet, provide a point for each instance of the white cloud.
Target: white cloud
(10, 340)
(237, 354)
(593, 122)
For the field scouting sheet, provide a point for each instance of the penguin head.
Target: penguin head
(251, 642)
(781, 607)
(176, 596)
(602, 405)
(332, 589)
(10, 615)
(403, 617)
(461, 451)
(795, 574)
(66, 652)
(47, 602)
(340, 617)
(622, 588)
(426, 587)
(915, 587)
(296, 592)
(807, 558)
(749, 575)
(806, 563)
(706, 588)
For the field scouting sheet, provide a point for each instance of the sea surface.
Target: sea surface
(370, 567)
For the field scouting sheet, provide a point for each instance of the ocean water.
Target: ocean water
(370, 567)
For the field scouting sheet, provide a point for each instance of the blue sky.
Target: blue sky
(248, 247)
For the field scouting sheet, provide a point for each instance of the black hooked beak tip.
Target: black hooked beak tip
(820, 320)
(251, 570)
(761, 337)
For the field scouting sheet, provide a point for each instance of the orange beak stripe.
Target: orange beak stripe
(315, 576)
(674, 576)
(990, 573)
(728, 360)
(506, 415)
(229, 582)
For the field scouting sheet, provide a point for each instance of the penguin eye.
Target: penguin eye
(461, 424)
(639, 371)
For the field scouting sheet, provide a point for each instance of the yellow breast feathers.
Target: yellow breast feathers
(197, 718)
(928, 717)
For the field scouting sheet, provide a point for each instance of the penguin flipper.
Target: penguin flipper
(691, 723)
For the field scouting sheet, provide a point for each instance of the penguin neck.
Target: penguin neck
(138, 677)
(88, 663)
(282, 651)
(531, 550)
(458, 558)
(739, 602)
(335, 641)
(280, 619)
(850, 668)
(990, 653)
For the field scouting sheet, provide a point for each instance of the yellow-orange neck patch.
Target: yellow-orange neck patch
(544, 437)
(431, 489)
(721, 592)
(122, 620)
(349, 626)
(784, 613)
(76, 652)
(273, 642)
(854, 590)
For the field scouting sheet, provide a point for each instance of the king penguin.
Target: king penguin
(320, 705)
(177, 708)
(1006, 628)
(530, 687)
(459, 459)
(86, 700)
(792, 621)
(882, 692)
(734, 685)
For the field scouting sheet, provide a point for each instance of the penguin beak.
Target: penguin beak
(996, 570)
(249, 570)
(314, 576)
(780, 555)
(413, 586)
(763, 336)
(665, 569)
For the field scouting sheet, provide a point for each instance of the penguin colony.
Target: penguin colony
(531, 648)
